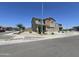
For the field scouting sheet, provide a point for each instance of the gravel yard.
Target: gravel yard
(9, 38)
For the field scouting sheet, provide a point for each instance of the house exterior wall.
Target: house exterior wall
(51, 25)
(34, 26)
(35, 22)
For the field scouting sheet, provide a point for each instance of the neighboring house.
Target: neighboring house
(48, 25)
(3, 29)
(75, 28)
(11, 29)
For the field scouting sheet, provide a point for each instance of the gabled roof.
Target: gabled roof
(50, 18)
(34, 19)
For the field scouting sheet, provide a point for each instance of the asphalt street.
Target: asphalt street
(61, 47)
(5, 37)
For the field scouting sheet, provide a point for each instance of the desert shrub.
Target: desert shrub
(62, 31)
(52, 33)
(30, 31)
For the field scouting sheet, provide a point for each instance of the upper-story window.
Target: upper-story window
(37, 22)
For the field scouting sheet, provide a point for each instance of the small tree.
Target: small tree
(21, 27)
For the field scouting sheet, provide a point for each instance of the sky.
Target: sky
(13, 13)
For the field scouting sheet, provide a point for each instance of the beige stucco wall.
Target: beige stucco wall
(52, 26)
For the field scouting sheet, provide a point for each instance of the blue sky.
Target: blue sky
(22, 12)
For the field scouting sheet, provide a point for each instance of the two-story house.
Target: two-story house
(48, 25)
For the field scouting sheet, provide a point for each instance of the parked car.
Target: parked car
(2, 29)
